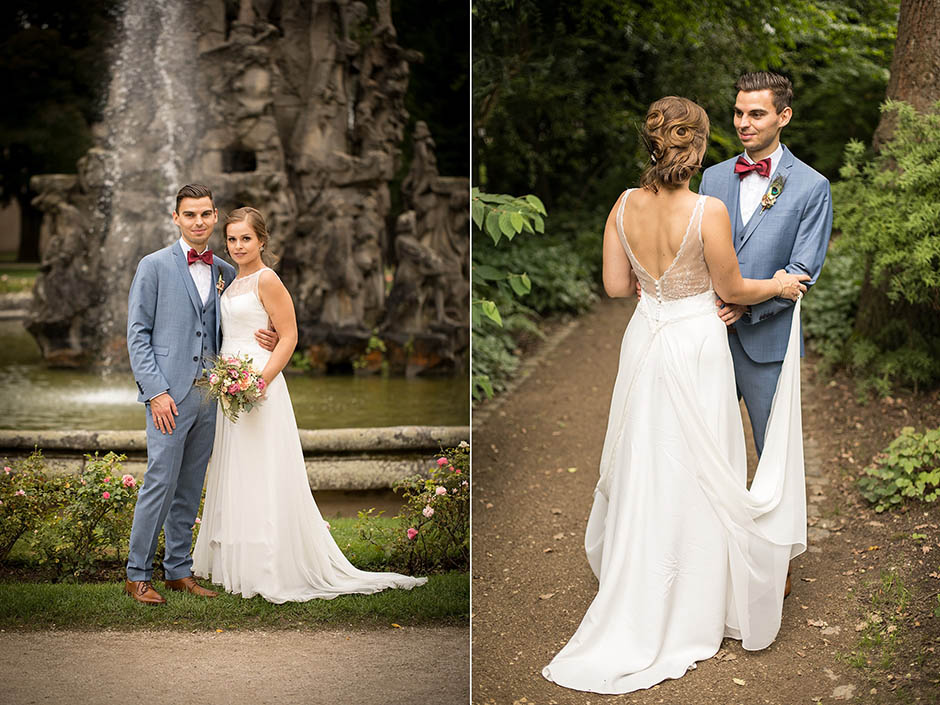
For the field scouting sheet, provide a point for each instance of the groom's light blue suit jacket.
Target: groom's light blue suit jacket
(792, 235)
(164, 315)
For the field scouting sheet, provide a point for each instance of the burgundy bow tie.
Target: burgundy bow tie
(743, 167)
(193, 256)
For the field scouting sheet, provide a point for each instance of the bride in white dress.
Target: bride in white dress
(261, 532)
(684, 552)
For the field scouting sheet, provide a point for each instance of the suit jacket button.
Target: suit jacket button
(195, 358)
(198, 333)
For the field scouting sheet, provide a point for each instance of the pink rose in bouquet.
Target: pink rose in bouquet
(235, 384)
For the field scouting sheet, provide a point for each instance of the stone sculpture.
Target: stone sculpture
(294, 107)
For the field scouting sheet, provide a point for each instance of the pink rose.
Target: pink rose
(454, 491)
(106, 495)
(464, 483)
(198, 520)
(233, 389)
(20, 493)
(243, 385)
(128, 481)
(441, 462)
(328, 525)
(440, 491)
(107, 479)
(428, 511)
(261, 384)
(412, 532)
(457, 471)
(7, 469)
(213, 379)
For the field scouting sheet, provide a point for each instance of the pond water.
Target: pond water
(33, 396)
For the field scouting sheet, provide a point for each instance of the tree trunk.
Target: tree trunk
(915, 67)
(30, 222)
(915, 79)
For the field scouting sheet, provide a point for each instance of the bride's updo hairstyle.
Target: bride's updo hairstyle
(675, 131)
(256, 222)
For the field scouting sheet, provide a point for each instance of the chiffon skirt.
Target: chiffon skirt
(684, 553)
(261, 531)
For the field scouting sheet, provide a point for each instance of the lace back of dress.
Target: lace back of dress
(688, 274)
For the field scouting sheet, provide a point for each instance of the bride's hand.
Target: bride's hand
(790, 286)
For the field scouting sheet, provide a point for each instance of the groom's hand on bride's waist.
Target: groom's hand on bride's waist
(267, 338)
(729, 313)
(163, 409)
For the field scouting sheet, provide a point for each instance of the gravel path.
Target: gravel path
(409, 666)
(536, 456)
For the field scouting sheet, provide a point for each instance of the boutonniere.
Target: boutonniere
(220, 285)
(776, 188)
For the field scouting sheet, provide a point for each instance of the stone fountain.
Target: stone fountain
(295, 107)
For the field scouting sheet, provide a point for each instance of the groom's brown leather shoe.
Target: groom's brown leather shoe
(143, 592)
(786, 588)
(189, 584)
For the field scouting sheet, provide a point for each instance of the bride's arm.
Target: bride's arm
(619, 279)
(277, 302)
(726, 272)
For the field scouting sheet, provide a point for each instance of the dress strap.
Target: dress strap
(699, 211)
(623, 237)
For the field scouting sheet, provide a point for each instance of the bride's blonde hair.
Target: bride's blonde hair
(675, 131)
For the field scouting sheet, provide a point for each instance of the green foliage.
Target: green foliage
(908, 468)
(559, 86)
(829, 309)
(494, 289)
(95, 517)
(433, 529)
(888, 212)
(27, 496)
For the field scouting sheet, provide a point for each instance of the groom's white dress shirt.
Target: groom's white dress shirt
(200, 272)
(754, 186)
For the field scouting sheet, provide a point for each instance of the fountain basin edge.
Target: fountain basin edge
(335, 459)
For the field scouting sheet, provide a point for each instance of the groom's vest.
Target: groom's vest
(210, 346)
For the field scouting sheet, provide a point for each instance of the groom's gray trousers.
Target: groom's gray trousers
(172, 489)
(756, 383)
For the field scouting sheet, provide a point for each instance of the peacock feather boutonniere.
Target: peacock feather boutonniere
(776, 188)
(220, 285)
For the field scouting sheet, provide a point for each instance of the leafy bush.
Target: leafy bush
(95, 514)
(494, 290)
(433, 530)
(887, 210)
(27, 496)
(909, 467)
(829, 309)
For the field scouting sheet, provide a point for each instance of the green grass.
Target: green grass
(879, 638)
(95, 605)
(16, 279)
(445, 599)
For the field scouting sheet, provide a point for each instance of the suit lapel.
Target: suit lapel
(786, 163)
(734, 195)
(216, 273)
(188, 282)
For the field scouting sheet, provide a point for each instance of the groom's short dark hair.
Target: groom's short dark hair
(779, 85)
(193, 191)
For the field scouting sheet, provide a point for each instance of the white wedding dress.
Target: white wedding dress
(684, 553)
(261, 532)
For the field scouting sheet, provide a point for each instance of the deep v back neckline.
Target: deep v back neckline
(629, 250)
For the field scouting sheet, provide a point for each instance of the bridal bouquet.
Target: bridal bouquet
(235, 384)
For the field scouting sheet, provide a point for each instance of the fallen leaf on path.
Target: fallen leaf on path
(860, 626)
(489, 505)
(547, 550)
(555, 510)
(397, 626)
(559, 536)
(572, 469)
(725, 656)
(873, 548)
(801, 653)
(547, 596)
(817, 623)
(739, 681)
(925, 549)
(808, 580)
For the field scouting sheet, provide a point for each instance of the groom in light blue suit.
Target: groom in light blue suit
(781, 216)
(173, 328)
